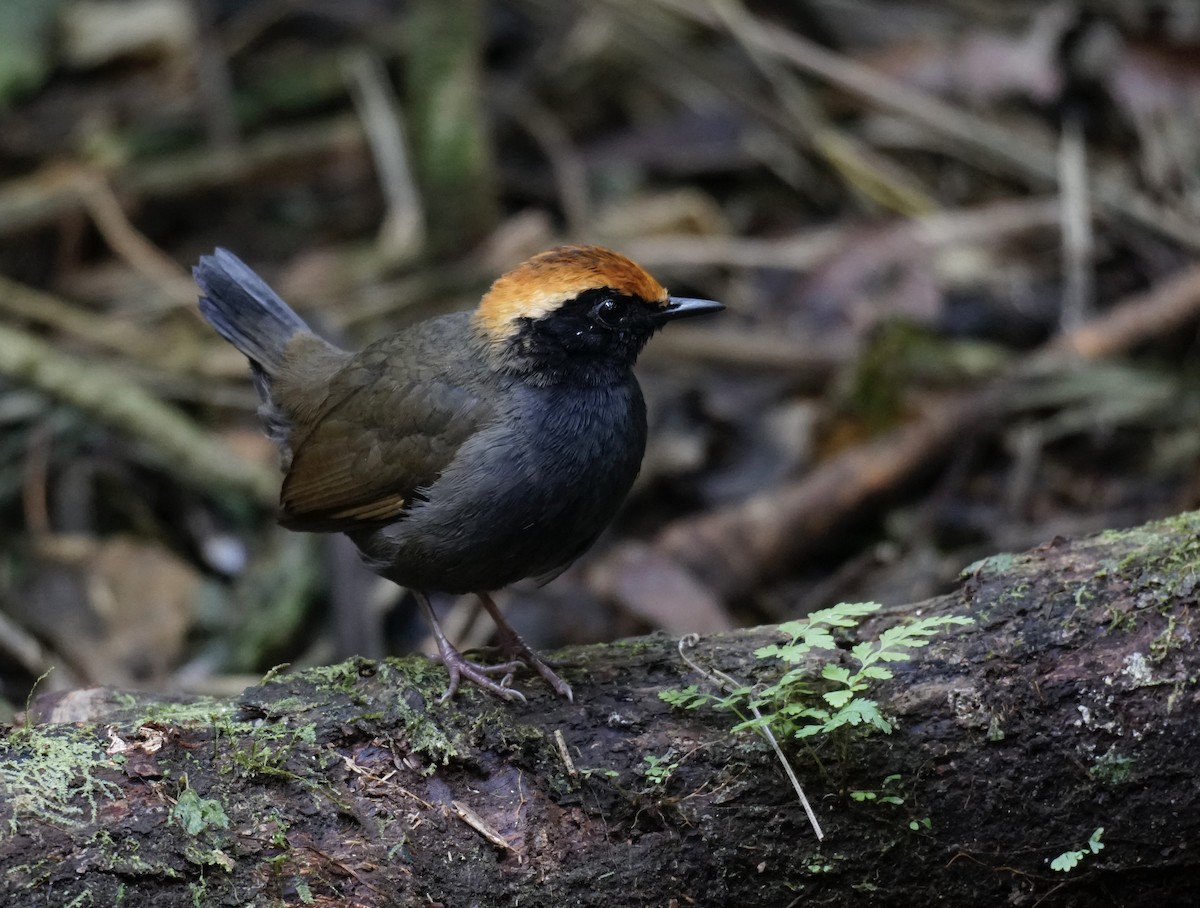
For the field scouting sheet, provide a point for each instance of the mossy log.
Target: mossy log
(1070, 704)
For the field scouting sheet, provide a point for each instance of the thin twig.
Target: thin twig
(564, 753)
(727, 684)
(1077, 236)
(861, 167)
(214, 82)
(566, 163)
(402, 234)
(34, 488)
(131, 244)
(138, 346)
(805, 250)
(50, 193)
(480, 825)
(23, 648)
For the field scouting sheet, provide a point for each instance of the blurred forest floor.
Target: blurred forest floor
(955, 241)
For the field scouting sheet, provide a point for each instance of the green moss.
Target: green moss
(1112, 769)
(819, 862)
(30, 876)
(1166, 559)
(1019, 590)
(1162, 568)
(636, 646)
(197, 712)
(427, 677)
(342, 677)
(993, 564)
(1120, 620)
(263, 749)
(495, 725)
(425, 734)
(49, 773)
(196, 814)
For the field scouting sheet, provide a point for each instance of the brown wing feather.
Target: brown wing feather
(363, 461)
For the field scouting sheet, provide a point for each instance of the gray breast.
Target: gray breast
(525, 497)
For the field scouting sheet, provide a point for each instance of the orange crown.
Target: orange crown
(543, 283)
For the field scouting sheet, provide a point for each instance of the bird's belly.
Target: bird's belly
(519, 502)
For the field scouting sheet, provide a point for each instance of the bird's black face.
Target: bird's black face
(590, 339)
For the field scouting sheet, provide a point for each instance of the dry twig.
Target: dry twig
(1028, 155)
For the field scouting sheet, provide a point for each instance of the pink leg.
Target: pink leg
(512, 645)
(459, 667)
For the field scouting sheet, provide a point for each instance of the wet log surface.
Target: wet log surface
(1069, 704)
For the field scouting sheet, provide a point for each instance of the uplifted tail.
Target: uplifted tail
(244, 310)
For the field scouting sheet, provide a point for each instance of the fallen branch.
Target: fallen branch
(1067, 706)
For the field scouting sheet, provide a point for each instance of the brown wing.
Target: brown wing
(380, 440)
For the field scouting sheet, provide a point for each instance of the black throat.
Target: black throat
(572, 346)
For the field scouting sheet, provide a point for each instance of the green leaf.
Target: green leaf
(838, 698)
(893, 656)
(792, 680)
(688, 698)
(844, 614)
(794, 704)
(195, 814)
(878, 721)
(864, 652)
(187, 812)
(858, 711)
(1066, 861)
(1094, 842)
(304, 892)
(792, 628)
(756, 723)
(833, 672)
(815, 638)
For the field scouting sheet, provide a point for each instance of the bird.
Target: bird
(468, 451)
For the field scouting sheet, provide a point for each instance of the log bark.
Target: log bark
(1070, 704)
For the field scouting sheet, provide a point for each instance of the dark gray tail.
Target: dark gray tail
(244, 310)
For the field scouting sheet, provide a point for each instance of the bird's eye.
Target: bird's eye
(609, 312)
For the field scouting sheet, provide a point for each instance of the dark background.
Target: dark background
(900, 203)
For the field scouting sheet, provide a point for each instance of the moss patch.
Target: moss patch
(50, 773)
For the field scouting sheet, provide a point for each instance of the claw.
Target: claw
(512, 644)
(460, 667)
(521, 656)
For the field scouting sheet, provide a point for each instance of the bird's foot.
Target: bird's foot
(513, 646)
(459, 667)
(520, 651)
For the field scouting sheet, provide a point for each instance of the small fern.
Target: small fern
(803, 702)
(1069, 860)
